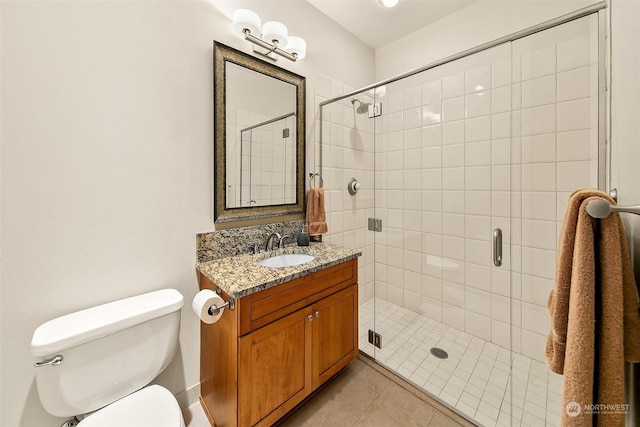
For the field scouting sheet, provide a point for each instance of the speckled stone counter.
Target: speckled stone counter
(241, 275)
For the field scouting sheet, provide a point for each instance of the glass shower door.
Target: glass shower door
(442, 177)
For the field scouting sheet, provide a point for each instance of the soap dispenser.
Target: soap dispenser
(303, 237)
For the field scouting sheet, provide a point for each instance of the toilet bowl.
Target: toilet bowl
(121, 346)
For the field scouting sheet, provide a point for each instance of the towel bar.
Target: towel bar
(312, 175)
(601, 209)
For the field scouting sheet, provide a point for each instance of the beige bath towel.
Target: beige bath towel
(595, 314)
(316, 215)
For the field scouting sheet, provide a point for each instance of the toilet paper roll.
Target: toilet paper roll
(203, 301)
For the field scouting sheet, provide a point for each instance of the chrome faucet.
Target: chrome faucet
(270, 240)
(269, 245)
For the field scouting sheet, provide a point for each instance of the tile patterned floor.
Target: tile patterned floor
(359, 396)
(474, 380)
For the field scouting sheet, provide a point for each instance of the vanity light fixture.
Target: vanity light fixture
(389, 3)
(273, 36)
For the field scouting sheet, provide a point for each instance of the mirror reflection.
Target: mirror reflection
(260, 139)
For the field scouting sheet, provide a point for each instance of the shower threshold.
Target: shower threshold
(474, 379)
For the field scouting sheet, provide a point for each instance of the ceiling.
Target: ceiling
(377, 25)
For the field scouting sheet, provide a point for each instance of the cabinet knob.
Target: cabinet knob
(310, 317)
(317, 313)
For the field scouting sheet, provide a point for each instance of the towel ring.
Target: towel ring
(312, 175)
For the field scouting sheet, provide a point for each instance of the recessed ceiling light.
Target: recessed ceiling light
(389, 3)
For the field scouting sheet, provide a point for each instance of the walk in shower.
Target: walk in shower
(468, 165)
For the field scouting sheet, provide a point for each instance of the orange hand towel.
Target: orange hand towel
(594, 310)
(316, 216)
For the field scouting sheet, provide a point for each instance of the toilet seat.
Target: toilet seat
(152, 406)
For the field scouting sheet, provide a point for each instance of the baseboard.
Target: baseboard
(189, 396)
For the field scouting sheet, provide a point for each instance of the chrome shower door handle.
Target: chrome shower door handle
(497, 247)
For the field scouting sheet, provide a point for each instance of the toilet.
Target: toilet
(97, 363)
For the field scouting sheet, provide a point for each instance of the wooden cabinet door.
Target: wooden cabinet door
(275, 369)
(335, 333)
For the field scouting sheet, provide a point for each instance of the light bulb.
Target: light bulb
(297, 45)
(275, 32)
(389, 3)
(246, 19)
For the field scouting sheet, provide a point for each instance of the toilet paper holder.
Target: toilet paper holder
(230, 304)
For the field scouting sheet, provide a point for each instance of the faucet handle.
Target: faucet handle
(281, 242)
(255, 247)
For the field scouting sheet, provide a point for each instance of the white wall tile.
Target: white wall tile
(477, 252)
(478, 79)
(539, 262)
(500, 333)
(575, 114)
(501, 125)
(538, 120)
(477, 226)
(478, 104)
(453, 133)
(453, 316)
(500, 73)
(453, 155)
(431, 114)
(453, 86)
(412, 118)
(431, 92)
(453, 109)
(501, 100)
(539, 148)
(539, 234)
(453, 201)
(574, 175)
(477, 153)
(478, 302)
(477, 325)
(453, 178)
(431, 136)
(539, 177)
(538, 63)
(574, 84)
(540, 91)
(478, 178)
(577, 145)
(453, 293)
(574, 53)
(478, 128)
(478, 276)
(535, 290)
(478, 202)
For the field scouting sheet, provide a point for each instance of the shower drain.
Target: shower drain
(439, 353)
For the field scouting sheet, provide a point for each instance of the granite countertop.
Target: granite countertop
(241, 275)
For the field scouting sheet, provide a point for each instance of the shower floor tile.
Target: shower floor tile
(474, 380)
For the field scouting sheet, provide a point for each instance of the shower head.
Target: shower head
(362, 108)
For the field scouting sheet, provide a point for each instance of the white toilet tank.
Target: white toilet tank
(108, 351)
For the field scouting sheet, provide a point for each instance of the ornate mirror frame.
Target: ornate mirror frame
(245, 215)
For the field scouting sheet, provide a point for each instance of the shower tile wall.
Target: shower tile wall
(554, 152)
(499, 139)
(347, 152)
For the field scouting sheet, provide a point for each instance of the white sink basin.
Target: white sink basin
(286, 260)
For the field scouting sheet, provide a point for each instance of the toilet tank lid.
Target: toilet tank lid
(92, 323)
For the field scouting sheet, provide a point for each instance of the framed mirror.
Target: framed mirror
(259, 138)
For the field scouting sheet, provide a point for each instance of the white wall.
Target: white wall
(106, 134)
(625, 107)
(481, 22)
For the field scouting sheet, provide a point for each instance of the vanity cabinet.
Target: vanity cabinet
(278, 346)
